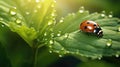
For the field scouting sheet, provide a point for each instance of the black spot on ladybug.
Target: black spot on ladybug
(85, 27)
(88, 22)
(94, 25)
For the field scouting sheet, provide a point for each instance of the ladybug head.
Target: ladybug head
(98, 31)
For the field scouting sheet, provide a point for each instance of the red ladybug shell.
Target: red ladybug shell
(88, 26)
(91, 27)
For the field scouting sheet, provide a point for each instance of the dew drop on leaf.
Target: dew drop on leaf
(109, 42)
(59, 33)
(50, 46)
(50, 22)
(99, 58)
(1, 19)
(117, 55)
(61, 20)
(12, 11)
(18, 21)
(60, 56)
(81, 10)
(103, 14)
(110, 16)
(51, 41)
(45, 34)
(53, 14)
(50, 51)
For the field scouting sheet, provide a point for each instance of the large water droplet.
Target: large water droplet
(110, 15)
(18, 21)
(60, 56)
(117, 55)
(51, 42)
(103, 14)
(50, 22)
(12, 11)
(109, 42)
(61, 20)
(59, 33)
(53, 14)
(45, 34)
(81, 10)
(99, 58)
(50, 51)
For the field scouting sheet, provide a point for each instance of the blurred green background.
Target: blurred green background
(16, 53)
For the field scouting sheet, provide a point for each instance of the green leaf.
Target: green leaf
(70, 40)
(33, 20)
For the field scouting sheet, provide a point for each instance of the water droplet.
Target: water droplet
(99, 58)
(45, 34)
(13, 11)
(50, 22)
(61, 20)
(117, 55)
(103, 15)
(66, 35)
(59, 33)
(110, 15)
(50, 46)
(109, 42)
(27, 13)
(81, 10)
(118, 29)
(50, 51)
(53, 14)
(51, 41)
(60, 56)
(18, 21)
(67, 51)
(62, 48)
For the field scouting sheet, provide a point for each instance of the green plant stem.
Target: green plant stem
(35, 53)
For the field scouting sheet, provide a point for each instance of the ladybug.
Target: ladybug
(91, 27)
